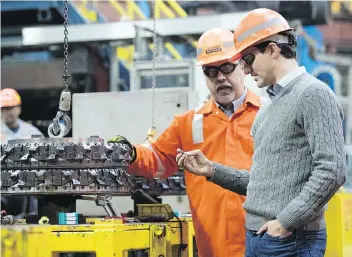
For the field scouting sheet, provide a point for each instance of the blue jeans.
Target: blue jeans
(299, 244)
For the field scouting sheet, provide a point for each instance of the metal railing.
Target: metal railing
(130, 10)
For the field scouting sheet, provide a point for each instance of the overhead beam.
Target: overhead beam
(116, 31)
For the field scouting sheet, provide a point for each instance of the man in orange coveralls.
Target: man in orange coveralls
(221, 129)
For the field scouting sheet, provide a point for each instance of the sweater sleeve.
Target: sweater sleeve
(322, 118)
(230, 178)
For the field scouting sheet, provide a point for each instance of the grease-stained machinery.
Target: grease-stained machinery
(62, 170)
(59, 171)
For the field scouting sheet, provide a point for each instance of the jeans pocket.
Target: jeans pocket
(312, 243)
(278, 238)
(316, 235)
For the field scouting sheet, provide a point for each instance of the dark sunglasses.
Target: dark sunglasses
(212, 71)
(248, 59)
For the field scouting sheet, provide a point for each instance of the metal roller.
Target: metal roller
(51, 166)
(63, 166)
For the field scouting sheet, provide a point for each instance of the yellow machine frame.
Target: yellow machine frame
(106, 237)
(109, 237)
(339, 226)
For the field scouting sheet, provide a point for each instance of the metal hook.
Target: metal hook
(68, 123)
(51, 132)
(57, 129)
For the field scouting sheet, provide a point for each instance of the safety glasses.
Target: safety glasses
(249, 58)
(212, 71)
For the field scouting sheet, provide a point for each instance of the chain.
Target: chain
(154, 60)
(152, 131)
(61, 125)
(66, 75)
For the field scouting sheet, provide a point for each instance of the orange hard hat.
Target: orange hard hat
(10, 98)
(257, 25)
(215, 45)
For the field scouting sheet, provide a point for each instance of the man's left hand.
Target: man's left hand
(274, 229)
(123, 140)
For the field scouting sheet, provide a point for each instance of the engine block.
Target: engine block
(43, 166)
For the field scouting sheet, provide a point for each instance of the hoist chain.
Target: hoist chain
(61, 125)
(154, 60)
(66, 75)
(152, 130)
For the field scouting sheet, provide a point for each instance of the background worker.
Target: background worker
(299, 161)
(221, 128)
(12, 127)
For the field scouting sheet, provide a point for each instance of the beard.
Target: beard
(223, 87)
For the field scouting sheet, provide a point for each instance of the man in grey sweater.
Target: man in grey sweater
(299, 161)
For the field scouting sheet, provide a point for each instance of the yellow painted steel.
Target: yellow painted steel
(106, 238)
(132, 8)
(161, 6)
(170, 47)
(177, 8)
(172, 50)
(337, 6)
(126, 53)
(110, 237)
(90, 15)
(339, 226)
(190, 234)
(115, 4)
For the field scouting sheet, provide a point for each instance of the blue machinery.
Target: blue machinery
(85, 12)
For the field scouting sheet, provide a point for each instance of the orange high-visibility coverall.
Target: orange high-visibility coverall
(217, 213)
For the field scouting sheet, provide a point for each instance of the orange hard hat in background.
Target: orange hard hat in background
(10, 98)
(215, 45)
(257, 25)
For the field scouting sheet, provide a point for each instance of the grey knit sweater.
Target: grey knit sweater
(299, 161)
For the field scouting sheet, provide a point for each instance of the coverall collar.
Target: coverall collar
(210, 105)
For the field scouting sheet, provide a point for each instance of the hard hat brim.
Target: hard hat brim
(214, 59)
(235, 57)
(9, 105)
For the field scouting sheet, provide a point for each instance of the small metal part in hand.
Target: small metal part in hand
(183, 152)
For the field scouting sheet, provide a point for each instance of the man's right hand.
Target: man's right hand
(123, 140)
(195, 162)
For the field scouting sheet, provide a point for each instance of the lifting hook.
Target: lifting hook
(61, 125)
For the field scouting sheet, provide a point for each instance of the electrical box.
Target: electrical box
(128, 113)
(170, 74)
